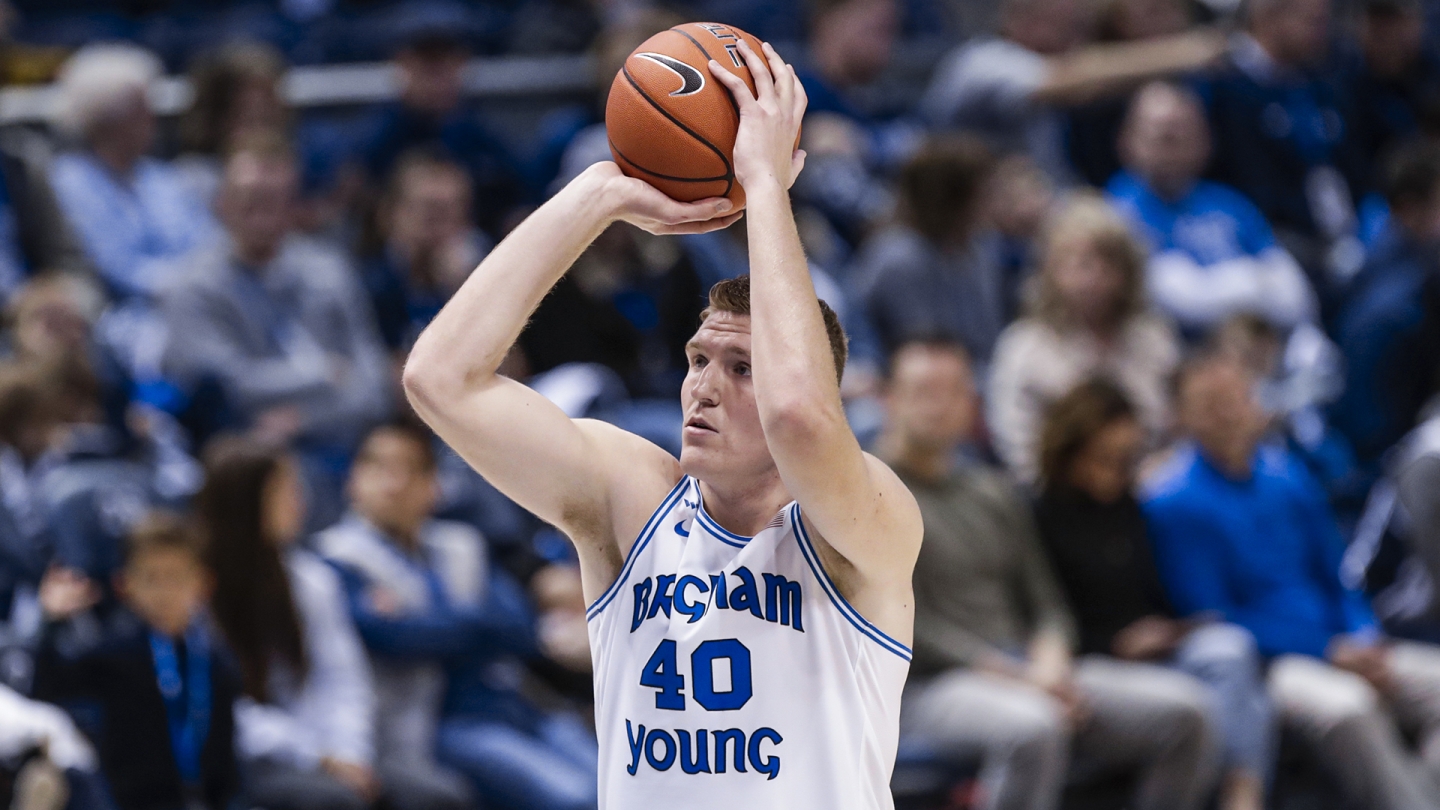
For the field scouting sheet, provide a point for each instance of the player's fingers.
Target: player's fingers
(759, 70)
(781, 74)
(733, 83)
(700, 227)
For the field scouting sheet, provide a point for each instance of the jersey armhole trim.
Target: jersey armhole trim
(641, 540)
(807, 549)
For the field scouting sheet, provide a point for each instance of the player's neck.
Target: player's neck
(745, 507)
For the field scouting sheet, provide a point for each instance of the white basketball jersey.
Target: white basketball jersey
(730, 673)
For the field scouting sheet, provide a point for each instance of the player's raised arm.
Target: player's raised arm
(564, 471)
(857, 504)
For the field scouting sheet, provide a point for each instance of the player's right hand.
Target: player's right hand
(627, 199)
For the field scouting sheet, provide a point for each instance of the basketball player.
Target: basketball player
(750, 605)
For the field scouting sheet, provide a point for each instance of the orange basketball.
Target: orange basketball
(670, 123)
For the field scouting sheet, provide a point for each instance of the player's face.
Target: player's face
(722, 436)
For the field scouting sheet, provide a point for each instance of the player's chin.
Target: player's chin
(697, 453)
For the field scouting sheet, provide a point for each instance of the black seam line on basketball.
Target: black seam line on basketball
(729, 170)
(706, 56)
(627, 159)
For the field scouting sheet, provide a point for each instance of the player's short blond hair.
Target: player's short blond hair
(733, 295)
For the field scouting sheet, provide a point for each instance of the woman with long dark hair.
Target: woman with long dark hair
(1095, 533)
(305, 724)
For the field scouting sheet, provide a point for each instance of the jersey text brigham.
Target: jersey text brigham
(692, 596)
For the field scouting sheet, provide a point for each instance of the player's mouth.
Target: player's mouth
(698, 425)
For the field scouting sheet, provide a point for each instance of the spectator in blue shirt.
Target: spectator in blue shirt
(1284, 137)
(440, 624)
(1212, 254)
(1389, 328)
(1241, 532)
(134, 214)
(1397, 80)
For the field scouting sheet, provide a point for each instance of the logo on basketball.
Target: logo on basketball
(693, 80)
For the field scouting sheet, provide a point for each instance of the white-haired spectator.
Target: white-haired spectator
(132, 212)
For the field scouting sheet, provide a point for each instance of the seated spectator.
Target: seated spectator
(305, 720)
(432, 114)
(1280, 119)
(28, 417)
(1395, 553)
(1389, 328)
(630, 303)
(1093, 130)
(993, 676)
(1093, 528)
(280, 320)
(134, 214)
(1397, 81)
(938, 273)
(1010, 88)
(1212, 254)
(160, 676)
(1019, 201)
(426, 246)
(34, 234)
(1243, 533)
(436, 618)
(237, 90)
(1295, 380)
(1088, 318)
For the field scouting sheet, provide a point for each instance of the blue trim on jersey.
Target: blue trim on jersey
(838, 599)
(719, 532)
(641, 541)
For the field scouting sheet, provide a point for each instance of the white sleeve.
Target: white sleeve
(264, 731)
(1288, 298)
(339, 690)
(1012, 417)
(1271, 284)
(25, 724)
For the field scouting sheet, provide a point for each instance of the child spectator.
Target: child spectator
(1088, 318)
(436, 619)
(305, 720)
(1212, 254)
(161, 678)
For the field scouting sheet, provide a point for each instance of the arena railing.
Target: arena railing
(349, 84)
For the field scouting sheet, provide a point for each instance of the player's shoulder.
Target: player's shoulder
(638, 472)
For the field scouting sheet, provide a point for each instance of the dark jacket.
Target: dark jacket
(117, 676)
(1101, 554)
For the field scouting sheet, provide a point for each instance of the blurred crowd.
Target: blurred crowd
(1143, 299)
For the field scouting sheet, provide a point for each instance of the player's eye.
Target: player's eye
(743, 369)
(698, 361)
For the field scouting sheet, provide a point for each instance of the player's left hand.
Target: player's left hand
(769, 119)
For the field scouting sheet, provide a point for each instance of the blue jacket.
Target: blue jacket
(1262, 553)
(1387, 333)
